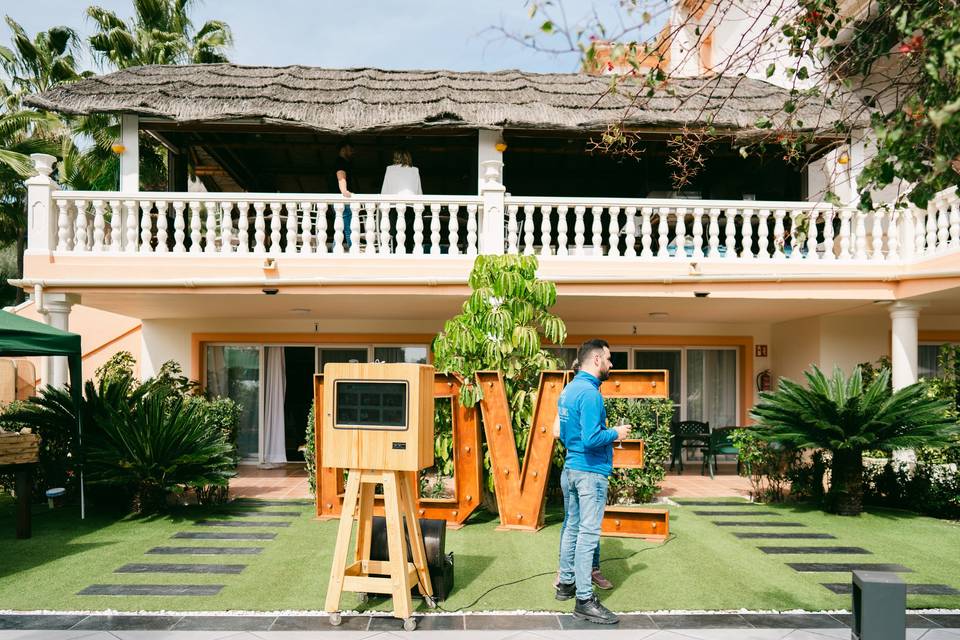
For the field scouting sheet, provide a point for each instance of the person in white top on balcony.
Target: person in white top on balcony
(401, 178)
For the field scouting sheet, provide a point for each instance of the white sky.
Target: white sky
(393, 34)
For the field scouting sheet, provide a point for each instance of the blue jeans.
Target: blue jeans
(563, 526)
(584, 495)
(347, 218)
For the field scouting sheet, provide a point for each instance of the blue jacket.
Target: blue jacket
(583, 426)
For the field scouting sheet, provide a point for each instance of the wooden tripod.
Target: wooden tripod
(365, 575)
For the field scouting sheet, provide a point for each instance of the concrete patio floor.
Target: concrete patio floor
(484, 626)
(290, 482)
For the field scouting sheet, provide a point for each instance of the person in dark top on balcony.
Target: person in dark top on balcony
(343, 171)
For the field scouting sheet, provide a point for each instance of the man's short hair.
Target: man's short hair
(588, 348)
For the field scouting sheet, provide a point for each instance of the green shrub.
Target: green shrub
(156, 459)
(310, 452)
(160, 445)
(846, 417)
(650, 418)
(767, 464)
(931, 489)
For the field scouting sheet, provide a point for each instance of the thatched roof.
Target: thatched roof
(354, 100)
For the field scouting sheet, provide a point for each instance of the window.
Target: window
(928, 365)
(703, 381)
(413, 355)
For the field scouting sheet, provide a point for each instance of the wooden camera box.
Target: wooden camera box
(377, 416)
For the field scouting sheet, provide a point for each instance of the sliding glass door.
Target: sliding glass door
(235, 372)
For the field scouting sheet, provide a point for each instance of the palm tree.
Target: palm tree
(29, 65)
(160, 32)
(846, 417)
(35, 65)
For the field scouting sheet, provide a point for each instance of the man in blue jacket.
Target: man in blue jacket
(588, 464)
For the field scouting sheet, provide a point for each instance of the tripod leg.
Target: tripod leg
(339, 565)
(409, 505)
(365, 523)
(402, 605)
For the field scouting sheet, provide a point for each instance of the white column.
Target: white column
(57, 306)
(130, 158)
(41, 228)
(903, 349)
(487, 140)
(492, 191)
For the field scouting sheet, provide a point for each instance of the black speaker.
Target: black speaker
(439, 564)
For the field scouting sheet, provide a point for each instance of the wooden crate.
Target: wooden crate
(628, 456)
(16, 448)
(624, 521)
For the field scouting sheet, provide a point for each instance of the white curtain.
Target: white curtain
(712, 386)
(275, 390)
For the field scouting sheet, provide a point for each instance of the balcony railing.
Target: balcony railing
(728, 230)
(642, 230)
(219, 223)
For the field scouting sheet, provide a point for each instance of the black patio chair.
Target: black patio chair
(687, 434)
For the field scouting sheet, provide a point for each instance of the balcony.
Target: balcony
(186, 236)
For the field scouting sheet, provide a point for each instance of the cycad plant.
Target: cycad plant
(157, 446)
(846, 417)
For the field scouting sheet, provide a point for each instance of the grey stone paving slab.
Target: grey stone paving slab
(844, 567)
(700, 621)
(261, 514)
(741, 512)
(424, 623)
(266, 524)
(510, 622)
(151, 590)
(627, 621)
(949, 620)
(39, 621)
(912, 589)
(144, 623)
(205, 551)
(783, 536)
(224, 623)
(218, 535)
(170, 567)
(913, 621)
(816, 550)
(791, 620)
(756, 523)
(319, 623)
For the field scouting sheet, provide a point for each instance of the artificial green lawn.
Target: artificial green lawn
(702, 567)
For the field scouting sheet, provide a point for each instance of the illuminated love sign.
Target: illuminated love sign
(520, 492)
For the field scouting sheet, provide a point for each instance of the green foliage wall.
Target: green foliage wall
(651, 419)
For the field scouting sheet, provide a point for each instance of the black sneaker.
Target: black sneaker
(566, 591)
(592, 611)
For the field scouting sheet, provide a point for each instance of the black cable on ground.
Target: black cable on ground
(672, 537)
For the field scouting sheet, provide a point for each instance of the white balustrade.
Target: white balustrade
(437, 226)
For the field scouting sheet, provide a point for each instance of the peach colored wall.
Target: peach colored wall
(840, 340)
(102, 334)
(795, 346)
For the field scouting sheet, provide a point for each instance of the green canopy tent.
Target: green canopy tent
(20, 337)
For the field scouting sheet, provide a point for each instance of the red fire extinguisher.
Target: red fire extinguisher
(764, 380)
